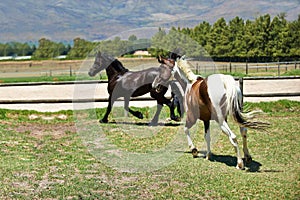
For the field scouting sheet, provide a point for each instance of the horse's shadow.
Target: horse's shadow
(231, 161)
(144, 123)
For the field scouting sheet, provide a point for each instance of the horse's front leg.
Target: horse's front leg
(192, 147)
(134, 113)
(207, 139)
(108, 110)
(247, 156)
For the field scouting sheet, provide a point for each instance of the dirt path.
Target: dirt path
(92, 91)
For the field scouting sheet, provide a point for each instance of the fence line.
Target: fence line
(200, 67)
(206, 67)
(105, 99)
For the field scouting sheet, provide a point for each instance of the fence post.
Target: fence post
(247, 67)
(242, 88)
(278, 68)
(230, 67)
(70, 70)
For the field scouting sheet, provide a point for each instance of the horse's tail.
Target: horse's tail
(234, 102)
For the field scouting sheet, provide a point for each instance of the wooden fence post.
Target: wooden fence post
(278, 68)
(70, 70)
(242, 90)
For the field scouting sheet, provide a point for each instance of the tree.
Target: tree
(237, 44)
(219, 39)
(46, 49)
(81, 48)
(157, 43)
(132, 38)
(294, 38)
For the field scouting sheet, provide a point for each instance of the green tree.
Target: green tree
(218, 41)
(293, 41)
(81, 48)
(158, 43)
(237, 44)
(48, 49)
(201, 33)
(132, 38)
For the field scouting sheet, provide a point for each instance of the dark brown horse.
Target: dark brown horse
(211, 98)
(125, 83)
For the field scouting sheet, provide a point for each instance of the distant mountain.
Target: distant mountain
(63, 20)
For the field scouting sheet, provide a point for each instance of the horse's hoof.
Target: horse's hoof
(153, 124)
(176, 119)
(103, 121)
(140, 115)
(208, 156)
(248, 159)
(195, 152)
(240, 166)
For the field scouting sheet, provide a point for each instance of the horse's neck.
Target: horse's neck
(115, 69)
(119, 67)
(181, 80)
(188, 78)
(111, 72)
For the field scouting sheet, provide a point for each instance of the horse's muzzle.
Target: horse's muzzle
(91, 74)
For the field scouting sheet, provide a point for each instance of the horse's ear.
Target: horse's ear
(160, 59)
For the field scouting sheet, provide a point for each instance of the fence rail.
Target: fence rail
(246, 68)
(65, 68)
(105, 99)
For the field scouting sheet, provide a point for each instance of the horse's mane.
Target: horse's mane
(185, 67)
(117, 65)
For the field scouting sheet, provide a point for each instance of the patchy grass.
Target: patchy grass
(46, 158)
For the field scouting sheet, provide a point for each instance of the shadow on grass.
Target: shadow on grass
(231, 161)
(145, 123)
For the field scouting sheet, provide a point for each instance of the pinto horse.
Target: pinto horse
(212, 98)
(125, 83)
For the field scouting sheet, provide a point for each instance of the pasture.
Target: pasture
(46, 156)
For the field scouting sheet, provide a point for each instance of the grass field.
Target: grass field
(46, 156)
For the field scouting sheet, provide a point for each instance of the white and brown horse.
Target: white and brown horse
(211, 98)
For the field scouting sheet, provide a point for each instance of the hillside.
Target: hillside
(29, 20)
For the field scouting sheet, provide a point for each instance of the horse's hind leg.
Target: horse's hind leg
(207, 139)
(232, 137)
(243, 131)
(154, 120)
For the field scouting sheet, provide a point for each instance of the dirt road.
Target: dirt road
(69, 92)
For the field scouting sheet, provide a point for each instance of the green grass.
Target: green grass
(47, 159)
(295, 72)
(50, 79)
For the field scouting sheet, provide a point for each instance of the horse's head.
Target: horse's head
(165, 73)
(102, 61)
